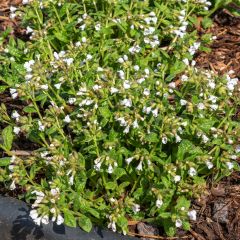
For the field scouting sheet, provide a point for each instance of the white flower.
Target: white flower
(33, 214)
(129, 160)
(126, 84)
(140, 80)
(135, 124)
(211, 84)
(69, 61)
(146, 70)
(27, 65)
(55, 191)
(212, 98)
(184, 78)
(89, 57)
(126, 130)
(78, 44)
(12, 15)
(15, 115)
(237, 149)
(14, 93)
(112, 225)
(67, 119)
(177, 178)
(209, 165)
(121, 60)
(205, 138)
(110, 169)
(200, 106)
(147, 110)
(214, 107)
(25, 2)
(28, 76)
(183, 102)
(98, 27)
(159, 203)
(178, 138)
(58, 85)
(178, 223)
(44, 87)
(83, 27)
(155, 112)
(45, 219)
(140, 166)
(29, 30)
(136, 68)
(114, 90)
(136, 208)
(230, 165)
(121, 74)
(172, 85)
(126, 102)
(72, 100)
(134, 49)
(192, 172)
(12, 186)
(60, 220)
(41, 127)
(186, 61)
(13, 158)
(96, 87)
(148, 31)
(71, 179)
(13, 9)
(164, 140)
(38, 193)
(192, 215)
(146, 92)
(122, 121)
(16, 130)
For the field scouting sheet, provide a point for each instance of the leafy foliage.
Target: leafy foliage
(127, 126)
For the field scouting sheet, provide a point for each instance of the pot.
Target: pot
(16, 224)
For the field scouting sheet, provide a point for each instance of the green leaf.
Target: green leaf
(4, 161)
(7, 136)
(205, 124)
(94, 212)
(111, 185)
(3, 88)
(186, 226)
(29, 109)
(152, 137)
(105, 112)
(69, 218)
(165, 215)
(85, 223)
(122, 222)
(119, 172)
(184, 147)
(169, 228)
(183, 202)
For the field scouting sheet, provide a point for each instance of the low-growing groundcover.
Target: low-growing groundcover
(127, 127)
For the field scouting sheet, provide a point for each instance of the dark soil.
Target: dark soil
(219, 209)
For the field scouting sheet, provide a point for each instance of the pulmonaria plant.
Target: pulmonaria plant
(121, 134)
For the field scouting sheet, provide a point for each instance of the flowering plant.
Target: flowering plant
(126, 128)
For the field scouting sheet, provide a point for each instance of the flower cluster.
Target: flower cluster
(120, 131)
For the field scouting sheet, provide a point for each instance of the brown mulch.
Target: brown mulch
(219, 210)
(225, 50)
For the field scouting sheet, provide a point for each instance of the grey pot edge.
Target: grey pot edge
(16, 224)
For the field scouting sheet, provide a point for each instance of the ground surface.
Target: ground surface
(219, 210)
